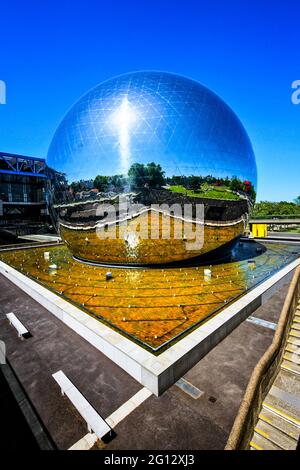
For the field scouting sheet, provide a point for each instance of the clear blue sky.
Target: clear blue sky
(51, 52)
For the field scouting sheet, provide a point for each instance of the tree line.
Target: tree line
(267, 208)
(153, 176)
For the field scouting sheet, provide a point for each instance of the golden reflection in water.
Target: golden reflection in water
(151, 305)
(118, 244)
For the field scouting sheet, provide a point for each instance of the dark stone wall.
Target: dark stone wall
(214, 209)
(217, 210)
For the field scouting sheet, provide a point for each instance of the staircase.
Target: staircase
(278, 426)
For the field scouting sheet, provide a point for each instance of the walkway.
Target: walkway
(197, 413)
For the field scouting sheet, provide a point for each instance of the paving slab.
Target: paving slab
(175, 420)
(54, 346)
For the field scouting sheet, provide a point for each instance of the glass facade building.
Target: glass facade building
(22, 189)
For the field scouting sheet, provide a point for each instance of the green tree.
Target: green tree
(236, 184)
(117, 182)
(78, 186)
(141, 176)
(195, 182)
(101, 183)
(154, 175)
(178, 180)
(226, 181)
(137, 175)
(297, 201)
(268, 208)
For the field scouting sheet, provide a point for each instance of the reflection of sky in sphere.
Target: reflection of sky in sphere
(151, 116)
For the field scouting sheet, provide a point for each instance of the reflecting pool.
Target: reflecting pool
(153, 307)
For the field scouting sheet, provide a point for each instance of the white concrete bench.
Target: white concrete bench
(17, 324)
(93, 420)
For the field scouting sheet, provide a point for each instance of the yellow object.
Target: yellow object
(255, 446)
(259, 230)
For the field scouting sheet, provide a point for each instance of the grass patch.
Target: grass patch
(291, 230)
(212, 192)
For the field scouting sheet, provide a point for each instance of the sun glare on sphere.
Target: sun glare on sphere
(123, 119)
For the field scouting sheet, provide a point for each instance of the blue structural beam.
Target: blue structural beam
(21, 165)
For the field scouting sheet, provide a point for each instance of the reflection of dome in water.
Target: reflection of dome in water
(197, 146)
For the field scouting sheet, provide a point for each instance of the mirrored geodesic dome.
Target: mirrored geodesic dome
(133, 147)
